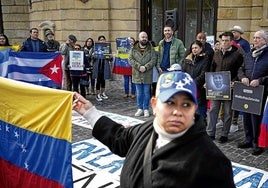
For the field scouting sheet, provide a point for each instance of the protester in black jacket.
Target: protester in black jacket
(173, 150)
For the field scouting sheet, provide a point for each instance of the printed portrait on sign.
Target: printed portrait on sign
(218, 85)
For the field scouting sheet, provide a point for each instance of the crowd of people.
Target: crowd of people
(169, 83)
(231, 52)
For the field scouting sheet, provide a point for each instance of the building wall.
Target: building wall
(117, 18)
(112, 18)
(251, 15)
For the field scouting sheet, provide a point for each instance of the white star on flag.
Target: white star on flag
(54, 69)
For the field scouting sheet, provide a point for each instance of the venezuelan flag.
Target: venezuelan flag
(35, 136)
(263, 138)
(121, 64)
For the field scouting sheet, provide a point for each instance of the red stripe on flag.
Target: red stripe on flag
(263, 137)
(123, 70)
(13, 176)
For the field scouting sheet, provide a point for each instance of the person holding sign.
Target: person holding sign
(78, 66)
(101, 67)
(254, 72)
(171, 150)
(230, 59)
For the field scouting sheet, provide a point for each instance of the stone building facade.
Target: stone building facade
(112, 18)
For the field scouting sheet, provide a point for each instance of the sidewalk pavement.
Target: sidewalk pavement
(127, 107)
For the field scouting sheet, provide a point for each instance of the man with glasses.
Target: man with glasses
(33, 43)
(254, 72)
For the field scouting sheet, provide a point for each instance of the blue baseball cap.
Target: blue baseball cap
(171, 83)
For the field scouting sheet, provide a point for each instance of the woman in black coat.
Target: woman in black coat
(196, 63)
(173, 150)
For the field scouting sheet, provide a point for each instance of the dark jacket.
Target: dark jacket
(256, 68)
(197, 66)
(230, 61)
(190, 161)
(28, 47)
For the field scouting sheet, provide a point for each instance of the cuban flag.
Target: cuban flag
(35, 136)
(263, 138)
(121, 64)
(37, 68)
(4, 57)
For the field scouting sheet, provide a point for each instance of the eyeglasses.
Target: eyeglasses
(77, 48)
(2, 39)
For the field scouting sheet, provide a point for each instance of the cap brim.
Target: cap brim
(164, 96)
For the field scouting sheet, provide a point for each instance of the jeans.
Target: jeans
(128, 79)
(143, 96)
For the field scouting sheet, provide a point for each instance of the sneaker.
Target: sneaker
(233, 128)
(133, 96)
(219, 124)
(244, 145)
(223, 139)
(146, 113)
(104, 96)
(257, 151)
(98, 98)
(139, 112)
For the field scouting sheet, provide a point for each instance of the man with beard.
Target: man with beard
(171, 50)
(142, 59)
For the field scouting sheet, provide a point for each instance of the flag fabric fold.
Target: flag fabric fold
(37, 68)
(263, 138)
(35, 136)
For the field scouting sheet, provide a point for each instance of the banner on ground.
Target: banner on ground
(121, 64)
(38, 68)
(95, 166)
(218, 85)
(247, 98)
(35, 136)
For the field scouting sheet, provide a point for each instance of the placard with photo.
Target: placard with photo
(218, 85)
(76, 60)
(102, 50)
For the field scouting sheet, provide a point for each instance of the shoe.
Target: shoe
(139, 112)
(244, 145)
(257, 151)
(125, 96)
(219, 124)
(98, 98)
(103, 96)
(146, 113)
(133, 96)
(233, 128)
(223, 139)
(212, 137)
(92, 92)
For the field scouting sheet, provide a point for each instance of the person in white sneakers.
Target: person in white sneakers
(143, 58)
(101, 71)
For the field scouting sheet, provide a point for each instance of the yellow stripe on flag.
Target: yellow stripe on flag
(35, 108)
(122, 56)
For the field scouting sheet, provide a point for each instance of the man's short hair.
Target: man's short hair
(227, 34)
